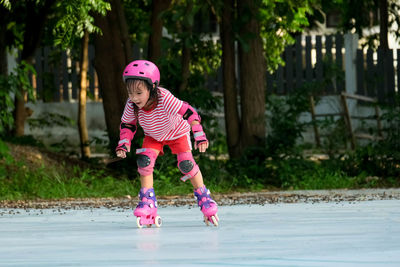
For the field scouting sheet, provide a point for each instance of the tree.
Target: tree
(383, 26)
(252, 76)
(181, 20)
(262, 30)
(113, 51)
(232, 120)
(3, 44)
(186, 27)
(84, 63)
(154, 45)
(35, 15)
(30, 18)
(358, 15)
(76, 23)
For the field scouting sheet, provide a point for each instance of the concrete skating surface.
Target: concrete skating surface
(365, 233)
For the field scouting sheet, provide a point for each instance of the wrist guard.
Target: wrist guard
(126, 133)
(198, 134)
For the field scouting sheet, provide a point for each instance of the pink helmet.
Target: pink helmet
(144, 70)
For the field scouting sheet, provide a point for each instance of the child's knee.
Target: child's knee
(187, 165)
(146, 159)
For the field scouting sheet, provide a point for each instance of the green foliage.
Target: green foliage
(334, 132)
(380, 158)
(10, 86)
(283, 164)
(280, 20)
(298, 173)
(279, 164)
(75, 18)
(47, 119)
(45, 184)
(4, 157)
(5, 153)
(25, 140)
(204, 63)
(6, 4)
(167, 176)
(137, 15)
(391, 117)
(359, 15)
(180, 22)
(285, 126)
(253, 172)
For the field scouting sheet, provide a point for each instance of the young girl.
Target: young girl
(165, 120)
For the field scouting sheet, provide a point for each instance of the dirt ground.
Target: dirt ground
(260, 198)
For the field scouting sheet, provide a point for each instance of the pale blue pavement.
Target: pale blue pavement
(302, 234)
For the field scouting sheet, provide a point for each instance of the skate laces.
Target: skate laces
(144, 198)
(203, 197)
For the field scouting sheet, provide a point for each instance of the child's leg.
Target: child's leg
(146, 181)
(146, 210)
(145, 160)
(191, 171)
(197, 180)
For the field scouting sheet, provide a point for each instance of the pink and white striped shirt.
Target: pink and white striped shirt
(161, 123)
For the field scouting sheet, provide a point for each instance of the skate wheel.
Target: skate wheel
(158, 221)
(206, 221)
(138, 223)
(215, 220)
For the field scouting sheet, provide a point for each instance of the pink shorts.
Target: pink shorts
(182, 144)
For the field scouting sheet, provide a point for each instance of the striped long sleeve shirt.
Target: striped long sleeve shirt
(161, 123)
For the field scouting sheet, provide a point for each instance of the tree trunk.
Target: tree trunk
(4, 13)
(232, 120)
(83, 131)
(252, 78)
(34, 23)
(185, 73)
(186, 50)
(154, 49)
(113, 52)
(384, 20)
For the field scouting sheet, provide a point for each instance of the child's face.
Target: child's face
(139, 95)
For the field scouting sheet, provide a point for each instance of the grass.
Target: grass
(54, 183)
(21, 179)
(45, 183)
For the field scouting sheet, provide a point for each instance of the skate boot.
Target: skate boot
(146, 210)
(207, 205)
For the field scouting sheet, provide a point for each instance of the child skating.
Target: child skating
(165, 120)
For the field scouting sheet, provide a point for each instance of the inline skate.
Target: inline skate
(146, 210)
(207, 205)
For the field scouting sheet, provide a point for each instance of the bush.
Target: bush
(9, 87)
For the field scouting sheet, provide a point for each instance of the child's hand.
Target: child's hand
(202, 146)
(121, 154)
(200, 139)
(123, 147)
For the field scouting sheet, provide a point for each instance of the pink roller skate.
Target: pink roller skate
(207, 205)
(146, 210)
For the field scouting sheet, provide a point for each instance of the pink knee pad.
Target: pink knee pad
(146, 158)
(187, 165)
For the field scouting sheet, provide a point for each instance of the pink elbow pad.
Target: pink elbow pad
(189, 113)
